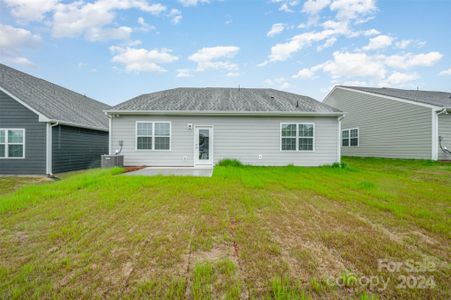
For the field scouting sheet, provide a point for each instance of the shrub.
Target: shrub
(230, 163)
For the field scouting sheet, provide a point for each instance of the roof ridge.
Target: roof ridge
(391, 88)
(222, 99)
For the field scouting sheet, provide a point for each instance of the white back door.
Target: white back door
(203, 145)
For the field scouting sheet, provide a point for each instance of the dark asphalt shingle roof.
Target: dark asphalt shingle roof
(224, 100)
(54, 101)
(441, 99)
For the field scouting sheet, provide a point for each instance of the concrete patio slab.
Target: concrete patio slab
(172, 171)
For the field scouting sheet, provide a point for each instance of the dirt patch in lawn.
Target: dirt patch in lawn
(133, 168)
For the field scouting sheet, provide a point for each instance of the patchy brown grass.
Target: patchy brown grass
(247, 232)
(9, 184)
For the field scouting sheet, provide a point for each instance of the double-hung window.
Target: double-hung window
(297, 137)
(144, 134)
(162, 136)
(153, 135)
(350, 137)
(12, 143)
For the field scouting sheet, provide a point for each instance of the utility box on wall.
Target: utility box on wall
(111, 161)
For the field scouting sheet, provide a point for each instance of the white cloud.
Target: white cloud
(233, 74)
(283, 51)
(192, 2)
(409, 60)
(315, 6)
(329, 43)
(80, 18)
(352, 83)
(30, 10)
(285, 8)
(215, 58)
(403, 44)
(445, 72)
(378, 42)
(104, 34)
(228, 20)
(15, 38)
(346, 64)
(142, 60)
(374, 69)
(181, 73)
(286, 5)
(304, 74)
(279, 83)
(175, 15)
(276, 29)
(18, 60)
(144, 26)
(134, 43)
(352, 9)
(347, 11)
(92, 19)
(398, 79)
(12, 41)
(371, 32)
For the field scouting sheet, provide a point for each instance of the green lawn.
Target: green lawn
(247, 232)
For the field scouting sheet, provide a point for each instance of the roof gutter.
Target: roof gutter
(58, 122)
(444, 110)
(224, 113)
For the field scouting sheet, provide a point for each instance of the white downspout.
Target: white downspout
(110, 151)
(339, 139)
(435, 141)
(49, 148)
(439, 145)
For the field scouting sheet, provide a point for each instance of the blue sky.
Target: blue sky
(113, 50)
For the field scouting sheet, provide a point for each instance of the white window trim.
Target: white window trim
(153, 136)
(7, 143)
(349, 137)
(297, 136)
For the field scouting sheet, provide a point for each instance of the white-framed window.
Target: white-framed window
(153, 135)
(297, 136)
(12, 143)
(162, 136)
(350, 137)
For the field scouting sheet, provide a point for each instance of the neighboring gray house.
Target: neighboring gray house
(45, 128)
(393, 123)
(201, 126)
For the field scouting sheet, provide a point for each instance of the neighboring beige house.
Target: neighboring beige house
(201, 126)
(394, 123)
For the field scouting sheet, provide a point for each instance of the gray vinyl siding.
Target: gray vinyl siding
(243, 138)
(387, 128)
(77, 148)
(444, 130)
(15, 115)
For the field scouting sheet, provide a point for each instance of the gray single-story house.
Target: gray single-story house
(394, 123)
(45, 128)
(201, 126)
